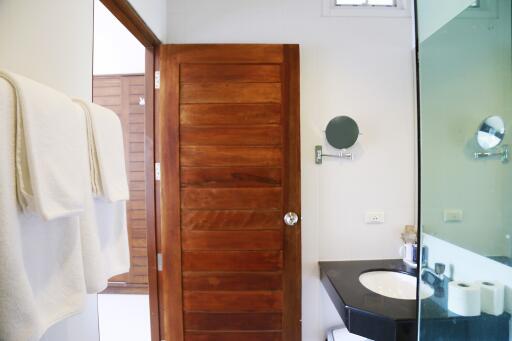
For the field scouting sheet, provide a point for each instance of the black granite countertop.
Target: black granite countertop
(383, 318)
(364, 312)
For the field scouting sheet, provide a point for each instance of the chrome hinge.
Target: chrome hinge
(157, 79)
(159, 262)
(157, 171)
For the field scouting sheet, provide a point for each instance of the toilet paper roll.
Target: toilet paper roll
(464, 298)
(492, 297)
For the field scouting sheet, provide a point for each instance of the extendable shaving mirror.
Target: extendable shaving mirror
(341, 133)
(489, 136)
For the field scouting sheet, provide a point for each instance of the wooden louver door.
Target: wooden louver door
(230, 156)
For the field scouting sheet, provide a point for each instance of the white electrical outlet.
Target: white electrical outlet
(374, 217)
(453, 216)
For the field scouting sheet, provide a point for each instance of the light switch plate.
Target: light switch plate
(453, 215)
(375, 217)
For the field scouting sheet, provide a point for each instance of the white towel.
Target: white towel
(41, 270)
(105, 246)
(106, 147)
(50, 144)
(103, 224)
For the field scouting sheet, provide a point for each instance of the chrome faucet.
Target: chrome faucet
(437, 272)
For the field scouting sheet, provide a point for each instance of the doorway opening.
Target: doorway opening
(123, 72)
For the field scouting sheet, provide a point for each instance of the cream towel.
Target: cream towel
(50, 143)
(103, 224)
(106, 148)
(105, 246)
(41, 270)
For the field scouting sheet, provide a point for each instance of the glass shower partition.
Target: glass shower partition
(465, 119)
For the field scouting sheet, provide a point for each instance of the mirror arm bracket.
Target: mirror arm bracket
(503, 153)
(343, 154)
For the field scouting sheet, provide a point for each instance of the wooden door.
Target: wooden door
(230, 157)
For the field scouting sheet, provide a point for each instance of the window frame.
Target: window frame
(395, 4)
(401, 9)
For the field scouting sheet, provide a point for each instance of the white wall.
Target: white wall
(153, 12)
(38, 41)
(362, 67)
(116, 50)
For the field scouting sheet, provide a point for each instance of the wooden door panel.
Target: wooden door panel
(268, 135)
(220, 177)
(247, 336)
(226, 114)
(232, 261)
(230, 93)
(232, 240)
(231, 170)
(231, 198)
(230, 156)
(230, 220)
(225, 54)
(233, 301)
(222, 281)
(237, 73)
(232, 321)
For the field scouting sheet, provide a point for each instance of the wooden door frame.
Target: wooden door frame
(129, 17)
(168, 132)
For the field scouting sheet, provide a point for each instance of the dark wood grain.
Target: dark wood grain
(233, 301)
(210, 156)
(292, 196)
(232, 261)
(231, 198)
(232, 240)
(234, 336)
(262, 135)
(171, 292)
(222, 281)
(227, 53)
(230, 93)
(231, 220)
(237, 73)
(232, 321)
(230, 177)
(230, 114)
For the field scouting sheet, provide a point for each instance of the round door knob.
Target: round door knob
(291, 218)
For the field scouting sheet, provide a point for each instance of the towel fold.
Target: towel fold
(50, 144)
(103, 224)
(106, 152)
(41, 269)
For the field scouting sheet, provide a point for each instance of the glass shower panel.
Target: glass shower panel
(465, 77)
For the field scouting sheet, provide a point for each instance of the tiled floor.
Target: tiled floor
(124, 317)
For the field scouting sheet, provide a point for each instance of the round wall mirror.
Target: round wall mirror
(342, 132)
(491, 132)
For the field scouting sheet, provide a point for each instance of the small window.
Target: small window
(388, 3)
(367, 8)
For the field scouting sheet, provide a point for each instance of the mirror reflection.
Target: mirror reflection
(491, 132)
(465, 189)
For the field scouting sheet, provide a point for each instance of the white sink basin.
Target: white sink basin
(393, 284)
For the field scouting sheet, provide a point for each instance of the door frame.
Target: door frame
(133, 22)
